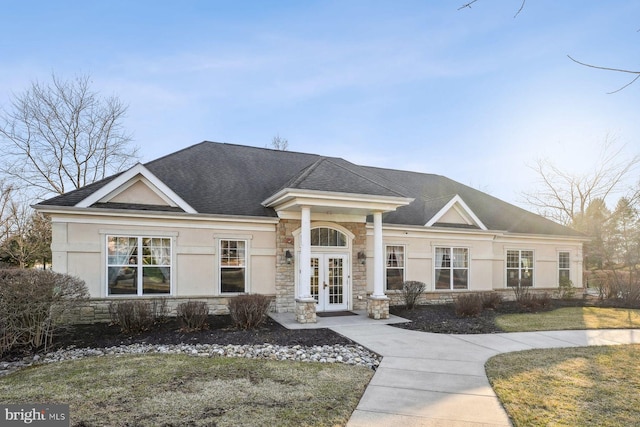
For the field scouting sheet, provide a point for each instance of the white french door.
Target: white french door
(329, 281)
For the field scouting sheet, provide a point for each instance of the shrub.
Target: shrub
(533, 302)
(411, 291)
(249, 311)
(468, 305)
(34, 304)
(491, 300)
(132, 316)
(193, 315)
(620, 287)
(160, 309)
(566, 289)
(521, 293)
(626, 291)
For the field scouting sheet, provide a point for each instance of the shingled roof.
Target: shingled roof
(227, 179)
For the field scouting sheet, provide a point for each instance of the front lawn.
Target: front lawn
(570, 318)
(153, 390)
(588, 386)
(509, 317)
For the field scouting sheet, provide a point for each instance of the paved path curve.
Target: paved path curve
(439, 380)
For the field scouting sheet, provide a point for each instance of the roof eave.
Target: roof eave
(66, 210)
(289, 197)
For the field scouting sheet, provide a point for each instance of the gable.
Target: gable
(139, 192)
(454, 216)
(141, 181)
(457, 213)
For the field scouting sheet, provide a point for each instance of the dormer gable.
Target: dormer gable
(137, 186)
(456, 213)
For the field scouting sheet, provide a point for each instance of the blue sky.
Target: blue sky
(472, 94)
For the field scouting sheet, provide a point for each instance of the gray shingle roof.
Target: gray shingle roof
(229, 179)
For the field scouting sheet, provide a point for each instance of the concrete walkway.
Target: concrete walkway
(439, 380)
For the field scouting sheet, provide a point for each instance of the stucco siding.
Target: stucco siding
(79, 248)
(487, 256)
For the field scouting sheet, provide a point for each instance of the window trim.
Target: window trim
(246, 264)
(338, 232)
(139, 262)
(451, 268)
(404, 265)
(520, 268)
(567, 268)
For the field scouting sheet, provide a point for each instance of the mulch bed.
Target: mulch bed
(430, 318)
(220, 331)
(441, 318)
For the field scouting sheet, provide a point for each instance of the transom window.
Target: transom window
(233, 266)
(452, 268)
(519, 268)
(324, 236)
(138, 265)
(394, 267)
(564, 266)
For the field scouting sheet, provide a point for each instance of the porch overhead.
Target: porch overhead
(339, 203)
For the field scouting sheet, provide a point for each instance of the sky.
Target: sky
(476, 94)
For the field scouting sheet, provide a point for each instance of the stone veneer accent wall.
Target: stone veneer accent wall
(97, 309)
(285, 273)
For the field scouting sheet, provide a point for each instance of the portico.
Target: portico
(323, 265)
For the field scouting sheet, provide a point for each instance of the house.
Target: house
(317, 233)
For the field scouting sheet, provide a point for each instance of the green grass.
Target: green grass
(151, 390)
(570, 318)
(588, 386)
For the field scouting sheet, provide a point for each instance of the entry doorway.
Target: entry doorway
(329, 281)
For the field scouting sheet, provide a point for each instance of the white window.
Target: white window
(394, 267)
(233, 266)
(519, 268)
(564, 266)
(452, 268)
(328, 237)
(138, 265)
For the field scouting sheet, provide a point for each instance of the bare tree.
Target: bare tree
(279, 143)
(61, 135)
(564, 196)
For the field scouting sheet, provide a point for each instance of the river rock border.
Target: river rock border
(348, 354)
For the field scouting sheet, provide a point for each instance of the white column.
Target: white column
(305, 254)
(378, 257)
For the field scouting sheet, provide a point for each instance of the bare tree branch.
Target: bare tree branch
(468, 5)
(520, 10)
(619, 70)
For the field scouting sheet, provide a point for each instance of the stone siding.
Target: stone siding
(358, 271)
(444, 297)
(285, 273)
(378, 308)
(97, 309)
(305, 311)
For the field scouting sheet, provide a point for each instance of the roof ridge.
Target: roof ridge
(386, 187)
(306, 172)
